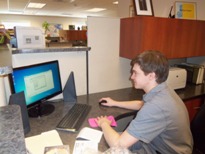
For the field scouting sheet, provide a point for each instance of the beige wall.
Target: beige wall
(108, 71)
(36, 21)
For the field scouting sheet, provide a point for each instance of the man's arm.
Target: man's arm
(133, 105)
(113, 138)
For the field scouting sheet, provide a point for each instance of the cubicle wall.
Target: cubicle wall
(107, 70)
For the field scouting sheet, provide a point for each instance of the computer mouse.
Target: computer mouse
(102, 101)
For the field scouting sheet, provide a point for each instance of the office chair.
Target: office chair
(123, 120)
(198, 131)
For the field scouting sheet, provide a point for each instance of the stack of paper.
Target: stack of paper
(36, 144)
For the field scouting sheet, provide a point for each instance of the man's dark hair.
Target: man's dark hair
(153, 61)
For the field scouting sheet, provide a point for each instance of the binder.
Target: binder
(195, 72)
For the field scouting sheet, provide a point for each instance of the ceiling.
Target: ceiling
(64, 8)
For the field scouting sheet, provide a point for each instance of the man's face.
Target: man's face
(140, 80)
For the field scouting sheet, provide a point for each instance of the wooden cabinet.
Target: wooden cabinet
(73, 35)
(193, 106)
(79, 35)
(176, 38)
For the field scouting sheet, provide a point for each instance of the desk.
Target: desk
(43, 124)
(49, 122)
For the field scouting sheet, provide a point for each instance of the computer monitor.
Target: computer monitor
(39, 82)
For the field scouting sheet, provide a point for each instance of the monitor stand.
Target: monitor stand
(40, 110)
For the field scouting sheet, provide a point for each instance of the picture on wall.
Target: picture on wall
(185, 10)
(144, 7)
(53, 29)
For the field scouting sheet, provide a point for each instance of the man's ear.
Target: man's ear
(152, 76)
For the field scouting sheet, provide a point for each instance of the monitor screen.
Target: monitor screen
(39, 82)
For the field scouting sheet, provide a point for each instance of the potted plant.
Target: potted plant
(46, 25)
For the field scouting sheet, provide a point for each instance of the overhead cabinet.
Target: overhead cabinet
(176, 38)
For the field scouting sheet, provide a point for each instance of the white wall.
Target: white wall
(107, 70)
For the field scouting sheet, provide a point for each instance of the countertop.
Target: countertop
(11, 131)
(191, 91)
(50, 49)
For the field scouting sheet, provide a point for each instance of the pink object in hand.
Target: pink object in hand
(94, 124)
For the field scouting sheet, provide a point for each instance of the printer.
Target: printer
(29, 37)
(177, 78)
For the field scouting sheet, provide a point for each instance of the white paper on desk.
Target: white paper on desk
(90, 134)
(85, 147)
(87, 141)
(36, 144)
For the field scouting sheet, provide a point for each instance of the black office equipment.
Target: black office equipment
(170, 13)
(74, 118)
(101, 102)
(19, 99)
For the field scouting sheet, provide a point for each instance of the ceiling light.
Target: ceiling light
(96, 10)
(36, 5)
(67, 14)
(16, 11)
(116, 2)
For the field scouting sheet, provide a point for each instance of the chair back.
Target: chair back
(124, 120)
(198, 130)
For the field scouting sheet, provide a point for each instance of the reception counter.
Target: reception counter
(50, 49)
(74, 59)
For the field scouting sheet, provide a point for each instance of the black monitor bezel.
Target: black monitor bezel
(41, 101)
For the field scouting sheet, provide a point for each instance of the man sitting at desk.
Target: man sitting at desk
(162, 123)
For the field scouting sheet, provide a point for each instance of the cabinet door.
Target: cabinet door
(193, 106)
(73, 35)
(176, 38)
(184, 38)
(129, 38)
(200, 42)
(144, 33)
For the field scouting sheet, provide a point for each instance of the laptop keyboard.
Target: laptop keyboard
(74, 118)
